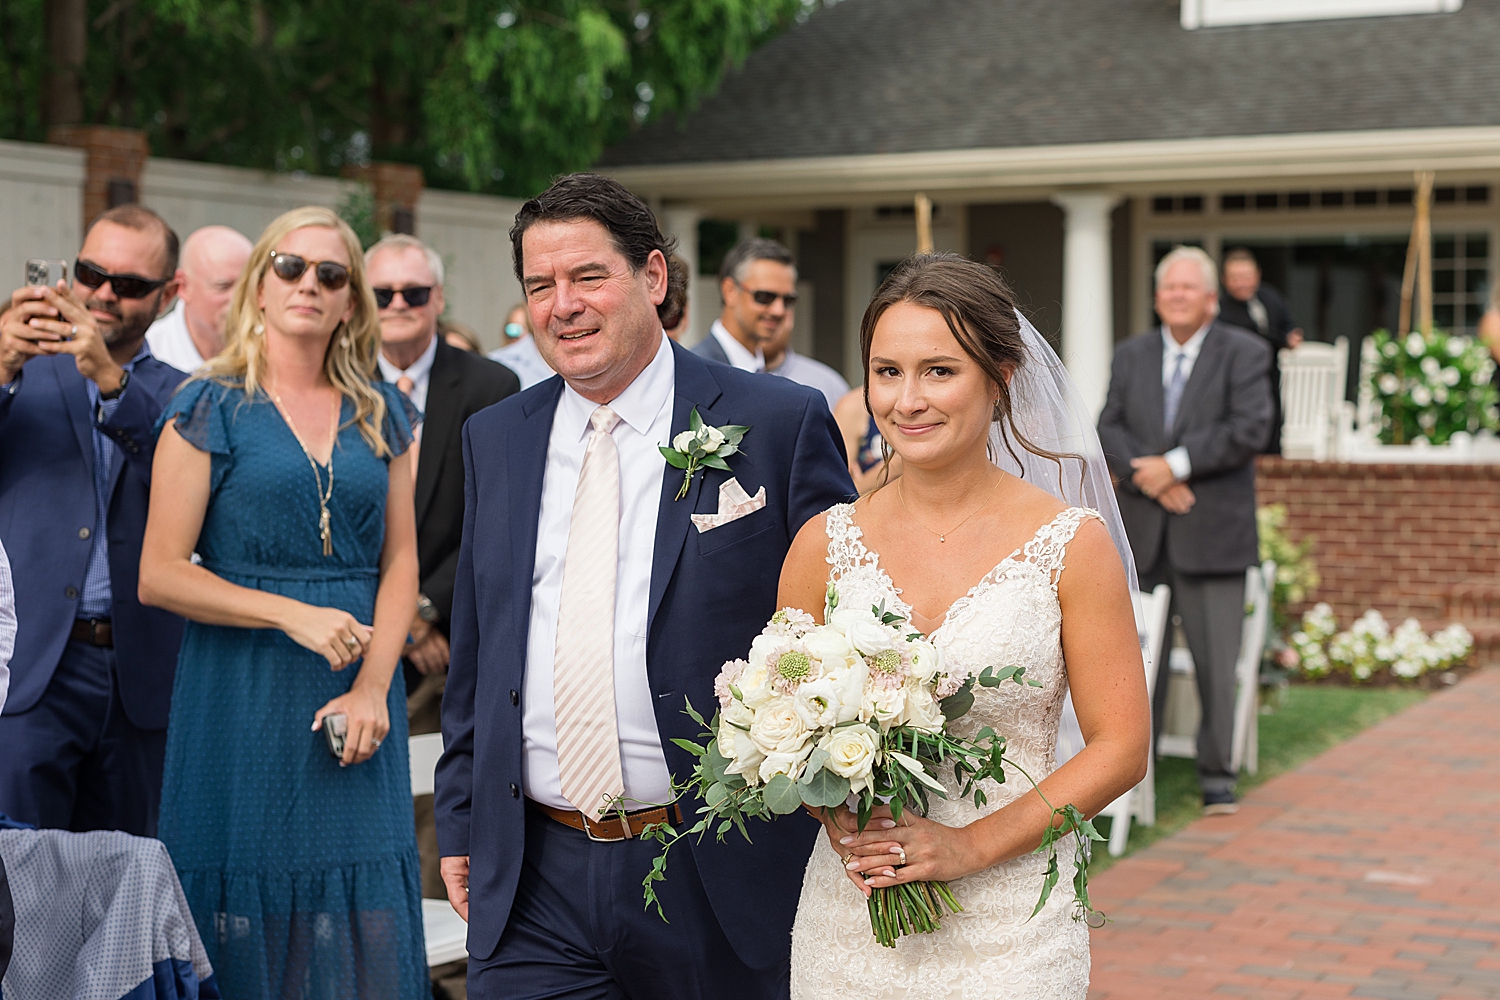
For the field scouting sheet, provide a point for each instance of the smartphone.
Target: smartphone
(336, 728)
(40, 271)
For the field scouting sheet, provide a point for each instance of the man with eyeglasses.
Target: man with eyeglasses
(84, 728)
(193, 332)
(758, 282)
(448, 385)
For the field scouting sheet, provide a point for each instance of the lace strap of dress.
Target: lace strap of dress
(1050, 544)
(845, 550)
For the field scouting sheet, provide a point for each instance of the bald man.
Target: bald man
(212, 259)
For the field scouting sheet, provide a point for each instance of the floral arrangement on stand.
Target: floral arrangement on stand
(1369, 649)
(853, 713)
(1430, 386)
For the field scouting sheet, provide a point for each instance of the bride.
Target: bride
(1002, 542)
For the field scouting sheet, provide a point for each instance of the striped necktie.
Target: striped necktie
(583, 667)
(1174, 390)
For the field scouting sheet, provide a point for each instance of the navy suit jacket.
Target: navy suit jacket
(47, 517)
(711, 594)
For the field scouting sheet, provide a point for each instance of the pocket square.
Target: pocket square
(734, 503)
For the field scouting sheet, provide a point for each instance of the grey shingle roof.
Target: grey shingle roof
(895, 76)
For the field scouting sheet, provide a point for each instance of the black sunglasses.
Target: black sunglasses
(416, 296)
(126, 286)
(290, 267)
(763, 297)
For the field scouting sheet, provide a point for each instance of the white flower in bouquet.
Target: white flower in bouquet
(883, 705)
(922, 709)
(870, 638)
(737, 747)
(820, 704)
(849, 684)
(788, 763)
(777, 727)
(830, 648)
(851, 754)
(729, 677)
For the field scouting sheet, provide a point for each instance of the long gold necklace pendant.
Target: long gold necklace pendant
(325, 531)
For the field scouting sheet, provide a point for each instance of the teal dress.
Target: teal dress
(302, 875)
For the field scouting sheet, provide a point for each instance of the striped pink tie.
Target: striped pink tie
(583, 670)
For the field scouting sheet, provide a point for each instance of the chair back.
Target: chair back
(423, 753)
(1260, 583)
(1151, 614)
(1312, 393)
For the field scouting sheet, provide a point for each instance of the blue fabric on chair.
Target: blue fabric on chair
(97, 915)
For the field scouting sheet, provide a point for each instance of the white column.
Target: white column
(682, 222)
(1088, 295)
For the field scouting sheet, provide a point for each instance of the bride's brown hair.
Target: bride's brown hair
(980, 311)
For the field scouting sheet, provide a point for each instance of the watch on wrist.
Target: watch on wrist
(426, 610)
(124, 381)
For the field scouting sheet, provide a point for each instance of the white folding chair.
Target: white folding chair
(1139, 803)
(1312, 393)
(1260, 583)
(445, 930)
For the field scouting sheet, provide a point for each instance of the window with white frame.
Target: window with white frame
(1215, 13)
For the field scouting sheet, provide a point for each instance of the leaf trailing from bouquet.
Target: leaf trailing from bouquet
(856, 712)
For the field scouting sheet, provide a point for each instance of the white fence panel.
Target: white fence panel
(41, 205)
(472, 234)
(192, 195)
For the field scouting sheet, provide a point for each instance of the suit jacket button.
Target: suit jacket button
(515, 792)
(83, 533)
(515, 698)
(70, 592)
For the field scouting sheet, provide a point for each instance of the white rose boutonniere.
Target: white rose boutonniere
(702, 447)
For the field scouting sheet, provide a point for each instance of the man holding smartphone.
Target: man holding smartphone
(84, 728)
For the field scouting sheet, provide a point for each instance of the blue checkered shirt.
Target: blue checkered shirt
(97, 596)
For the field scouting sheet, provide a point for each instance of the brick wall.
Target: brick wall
(115, 156)
(1404, 539)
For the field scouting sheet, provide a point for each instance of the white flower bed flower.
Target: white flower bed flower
(1369, 647)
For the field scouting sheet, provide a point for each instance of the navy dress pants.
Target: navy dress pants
(74, 761)
(578, 929)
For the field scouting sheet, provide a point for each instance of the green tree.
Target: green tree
(490, 95)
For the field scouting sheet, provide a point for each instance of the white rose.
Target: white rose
(817, 703)
(710, 439)
(870, 638)
(683, 442)
(851, 754)
(829, 647)
(886, 706)
(926, 660)
(736, 745)
(777, 727)
(922, 710)
(788, 763)
(844, 618)
(737, 714)
(849, 683)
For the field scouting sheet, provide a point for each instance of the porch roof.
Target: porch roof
(882, 77)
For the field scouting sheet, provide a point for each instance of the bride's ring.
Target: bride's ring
(351, 642)
(901, 853)
(848, 857)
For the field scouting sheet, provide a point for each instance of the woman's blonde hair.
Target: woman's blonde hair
(349, 361)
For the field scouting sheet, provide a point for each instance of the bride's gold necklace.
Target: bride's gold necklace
(942, 536)
(325, 526)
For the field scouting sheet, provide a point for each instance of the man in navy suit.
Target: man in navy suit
(589, 604)
(84, 729)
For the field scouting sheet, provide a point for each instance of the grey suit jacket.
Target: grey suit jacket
(1223, 421)
(710, 348)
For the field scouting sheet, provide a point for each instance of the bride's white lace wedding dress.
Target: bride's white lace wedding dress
(990, 950)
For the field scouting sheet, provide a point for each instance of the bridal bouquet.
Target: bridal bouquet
(856, 712)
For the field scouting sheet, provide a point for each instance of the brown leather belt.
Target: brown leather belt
(611, 828)
(94, 631)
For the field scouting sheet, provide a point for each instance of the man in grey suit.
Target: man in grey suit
(1189, 408)
(758, 282)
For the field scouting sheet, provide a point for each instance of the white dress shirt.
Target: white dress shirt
(645, 412)
(171, 342)
(420, 374)
(735, 351)
(814, 373)
(1177, 458)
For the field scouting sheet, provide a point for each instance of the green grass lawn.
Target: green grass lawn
(1305, 722)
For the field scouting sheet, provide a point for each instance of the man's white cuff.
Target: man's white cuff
(1179, 463)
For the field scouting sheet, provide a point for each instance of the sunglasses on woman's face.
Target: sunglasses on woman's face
(126, 286)
(290, 267)
(416, 297)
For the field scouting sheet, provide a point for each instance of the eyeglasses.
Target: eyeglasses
(290, 267)
(416, 296)
(763, 297)
(126, 286)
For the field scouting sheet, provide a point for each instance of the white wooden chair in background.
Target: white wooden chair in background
(445, 930)
(1245, 747)
(1139, 803)
(1312, 398)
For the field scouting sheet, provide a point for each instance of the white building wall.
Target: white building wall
(41, 206)
(472, 233)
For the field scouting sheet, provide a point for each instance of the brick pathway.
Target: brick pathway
(1371, 871)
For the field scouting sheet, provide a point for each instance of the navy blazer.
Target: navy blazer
(711, 594)
(47, 516)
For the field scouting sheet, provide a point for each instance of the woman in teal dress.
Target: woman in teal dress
(284, 467)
